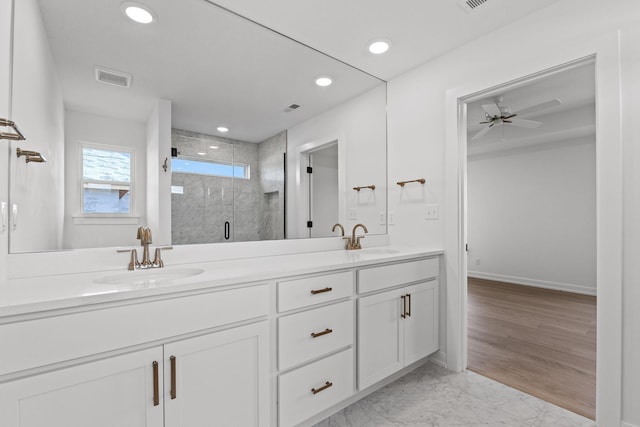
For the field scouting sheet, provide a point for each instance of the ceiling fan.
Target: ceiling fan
(498, 114)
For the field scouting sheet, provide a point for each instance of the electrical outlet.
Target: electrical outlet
(383, 219)
(432, 212)
(391, 218)
(477, 261)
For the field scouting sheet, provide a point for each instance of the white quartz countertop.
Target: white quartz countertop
(41, 294)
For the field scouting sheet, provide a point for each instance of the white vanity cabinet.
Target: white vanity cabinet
(117, 391)
(315, 346)
(278, 351)
(218, 379)
(399, 326)
(199, 369)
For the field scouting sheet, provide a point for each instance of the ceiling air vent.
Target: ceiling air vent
(469, 5)
(291, 108)
(115, 78)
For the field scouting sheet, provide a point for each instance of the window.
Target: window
(107, 184)
(201, 167)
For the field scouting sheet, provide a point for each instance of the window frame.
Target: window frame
(246, 167)
(105, 217)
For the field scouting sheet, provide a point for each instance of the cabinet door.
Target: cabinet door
(421, 322)
(118, 391)
(380, 337)
(219, 379)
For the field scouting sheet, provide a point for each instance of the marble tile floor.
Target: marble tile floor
(433, 396)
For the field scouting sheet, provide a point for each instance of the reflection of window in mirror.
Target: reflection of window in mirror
(107, 180)
(207, 167)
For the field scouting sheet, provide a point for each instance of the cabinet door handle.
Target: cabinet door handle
(156, 386)
(227, 228)
(174, 391)
(409, 311)
(324, 387)
(320, 291)
(404, 306)
(319, 334)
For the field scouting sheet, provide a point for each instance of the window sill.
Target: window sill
(106, 220)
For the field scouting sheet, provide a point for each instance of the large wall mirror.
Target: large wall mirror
(200, 124)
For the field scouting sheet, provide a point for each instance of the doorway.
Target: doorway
(530, 210)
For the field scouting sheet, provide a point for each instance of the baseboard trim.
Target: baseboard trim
(439, 358)
(626, 424)
(565, 287)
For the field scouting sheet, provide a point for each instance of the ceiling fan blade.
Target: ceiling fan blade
(482, 132)
(539, 107)
(492, 110)
(525, 123)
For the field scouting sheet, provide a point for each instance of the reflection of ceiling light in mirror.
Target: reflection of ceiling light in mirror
(379, 46)
(137, 12)
(213, 147)
(202, 154)
(222, 129)
(324, 81)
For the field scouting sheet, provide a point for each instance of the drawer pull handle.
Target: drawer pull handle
(156, 386)
(404, 306)
(174, 390)
(409, 311)
(319, 334)
(320, 291)
(324, 387)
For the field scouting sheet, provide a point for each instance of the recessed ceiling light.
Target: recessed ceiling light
(137, 12)
(222, 129)
(324, 81)
(202, 154)
(378, 47)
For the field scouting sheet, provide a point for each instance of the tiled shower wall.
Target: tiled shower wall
(254, 207)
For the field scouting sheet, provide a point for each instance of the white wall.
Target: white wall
(5, 107)
(158, 182)
(38, 110)
(532, 216)
(91, 128)
(359, 125)
(422, 128)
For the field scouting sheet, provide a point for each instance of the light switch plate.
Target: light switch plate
(432, 212)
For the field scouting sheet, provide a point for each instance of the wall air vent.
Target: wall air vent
(111, 77)
(469, 5)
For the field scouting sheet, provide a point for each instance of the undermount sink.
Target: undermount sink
(378, 251)
(150, 277)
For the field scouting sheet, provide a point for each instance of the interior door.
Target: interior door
(323, 190)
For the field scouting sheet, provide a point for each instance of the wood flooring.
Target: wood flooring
(539, 341)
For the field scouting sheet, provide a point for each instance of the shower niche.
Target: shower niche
(225, 190)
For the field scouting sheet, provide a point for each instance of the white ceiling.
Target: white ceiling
(419, 30)
(574, 118)
(220, 69)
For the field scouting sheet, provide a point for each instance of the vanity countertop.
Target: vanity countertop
(76, 291)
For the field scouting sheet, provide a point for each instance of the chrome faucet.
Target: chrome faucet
(353, 242)
(338, 226)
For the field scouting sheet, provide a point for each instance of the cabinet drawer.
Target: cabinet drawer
(332, 327)
(330, 378)
(376, 278)
(308, 291)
